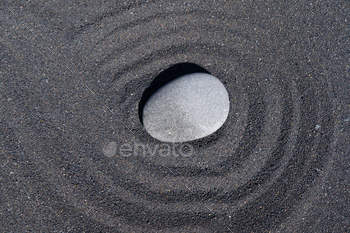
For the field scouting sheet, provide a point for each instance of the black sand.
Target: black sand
(72, 78)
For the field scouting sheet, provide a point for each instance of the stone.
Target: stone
(190, 107)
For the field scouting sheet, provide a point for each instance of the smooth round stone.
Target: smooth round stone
(190, 107)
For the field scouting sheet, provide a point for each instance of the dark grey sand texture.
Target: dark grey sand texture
(75, 156)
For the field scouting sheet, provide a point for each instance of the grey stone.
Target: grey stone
(190, 107)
